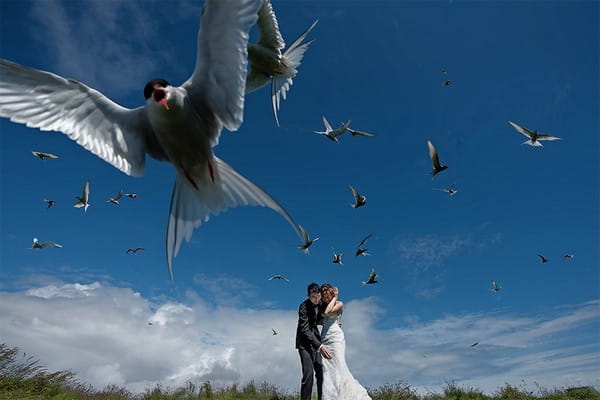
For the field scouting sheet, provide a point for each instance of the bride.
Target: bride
(338, 382)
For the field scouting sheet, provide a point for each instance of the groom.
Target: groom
(308, 342)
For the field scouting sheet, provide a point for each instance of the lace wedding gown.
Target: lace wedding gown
(338, 382)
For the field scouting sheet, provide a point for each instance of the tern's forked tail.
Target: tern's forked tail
(191, 206)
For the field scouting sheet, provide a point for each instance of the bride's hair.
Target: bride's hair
(326, 293)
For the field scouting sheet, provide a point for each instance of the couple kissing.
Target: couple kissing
(323, 354)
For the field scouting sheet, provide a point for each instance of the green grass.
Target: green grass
(24, 378)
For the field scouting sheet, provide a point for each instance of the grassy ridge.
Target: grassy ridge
(23, 378)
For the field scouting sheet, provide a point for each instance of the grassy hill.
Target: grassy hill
(24, 378)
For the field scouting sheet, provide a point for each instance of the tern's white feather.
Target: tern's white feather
(219, 78)
(190, 206)
(43, 100)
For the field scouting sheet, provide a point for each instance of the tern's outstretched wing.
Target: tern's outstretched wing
(521, 129)
(543, 136)
(433, 154)
(39, 99)
(269, 28)
(362, 242)
(219, 79)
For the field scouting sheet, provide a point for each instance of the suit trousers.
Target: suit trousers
(310, 366)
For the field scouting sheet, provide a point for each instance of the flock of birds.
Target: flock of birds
(181, 125)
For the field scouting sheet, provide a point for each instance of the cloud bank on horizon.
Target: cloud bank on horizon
(113, 335)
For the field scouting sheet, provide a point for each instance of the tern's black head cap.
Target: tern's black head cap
(150, 86)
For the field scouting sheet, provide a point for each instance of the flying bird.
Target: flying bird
(447, 82)
(451, 190)
(43, 156)
(274, 331)
(83, 200)
(495, 287)
(568, 256)
(37, 245)
(280, 277)
(330, 133)
(544, 259)
(533, 136)
(307, 241)
(134, 251)
(474, 344)
(268, 64)
(359, 133)
(371, 278)
(179, 125)
(337, 257)
(115, 200)
(435, 159)
(131, 195)
(359, 199)
(50, 202)
(360, 251)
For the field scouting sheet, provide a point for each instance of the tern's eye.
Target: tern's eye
(159, 94)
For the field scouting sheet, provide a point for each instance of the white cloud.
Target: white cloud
(102, 333)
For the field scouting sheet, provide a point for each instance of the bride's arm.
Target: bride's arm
(334, 305)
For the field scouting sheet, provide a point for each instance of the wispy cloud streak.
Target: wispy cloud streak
(425, 257)
(109, 45)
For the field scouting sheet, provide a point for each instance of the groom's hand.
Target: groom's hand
(325, 351)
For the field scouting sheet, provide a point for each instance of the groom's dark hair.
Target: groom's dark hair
(313, 288)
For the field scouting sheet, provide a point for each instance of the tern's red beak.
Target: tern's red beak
(164, 103)
(160, 96)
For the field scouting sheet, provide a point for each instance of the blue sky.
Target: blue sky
(378, 64)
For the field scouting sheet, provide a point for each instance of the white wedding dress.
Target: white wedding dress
(338, 382)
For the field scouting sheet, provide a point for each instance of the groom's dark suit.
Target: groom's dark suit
(308, 341)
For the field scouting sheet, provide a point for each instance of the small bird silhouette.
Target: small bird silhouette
(568, 256)
(495, 287)
(435, 159)
(371, 278)
(274, 331)
(131, 195)
(83, 201)
(37, 245)
(447, 82)
(474, 344)
(359, 199)
(280, 277)
(134, 251)
(307, 241)
(330, 133)
(43, 156)
(360, 251)
(50, 202)
(534, 136)
(544, 259)
(337, 257)
(451, 190)
(115, 200)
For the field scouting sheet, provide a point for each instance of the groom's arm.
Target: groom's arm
(305, 326)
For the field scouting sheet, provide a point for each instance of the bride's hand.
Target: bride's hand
(326, 352)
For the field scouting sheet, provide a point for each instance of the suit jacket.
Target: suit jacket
(307, 334)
